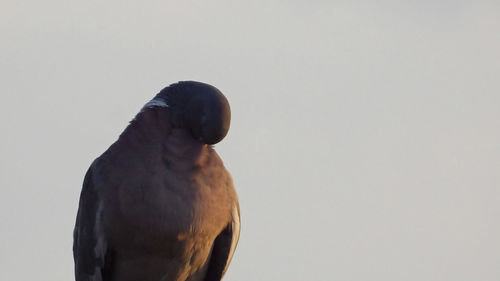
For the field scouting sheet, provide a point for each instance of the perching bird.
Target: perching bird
(159, 204)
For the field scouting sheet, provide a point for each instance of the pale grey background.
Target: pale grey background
(365, 139)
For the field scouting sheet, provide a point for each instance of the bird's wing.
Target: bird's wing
(90, 249)
(224, 247)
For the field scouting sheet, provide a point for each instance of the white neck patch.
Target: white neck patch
(152, 103)
(156, 102)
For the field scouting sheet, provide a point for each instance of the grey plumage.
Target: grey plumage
(159, 204)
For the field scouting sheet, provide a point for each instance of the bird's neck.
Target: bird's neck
(181, 147)
(152, 135)
(150, 126)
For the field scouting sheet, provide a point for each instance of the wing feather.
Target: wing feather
(90, 249)
(223, 248)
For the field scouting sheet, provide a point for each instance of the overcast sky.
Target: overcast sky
(364, 145)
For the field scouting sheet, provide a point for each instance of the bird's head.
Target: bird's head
(200, 108)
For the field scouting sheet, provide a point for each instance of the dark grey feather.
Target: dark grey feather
(90, 247)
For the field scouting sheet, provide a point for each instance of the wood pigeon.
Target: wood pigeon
(159, 204)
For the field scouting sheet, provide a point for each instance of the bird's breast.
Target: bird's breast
(182, 196)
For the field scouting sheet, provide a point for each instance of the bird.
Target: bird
(159, 204)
